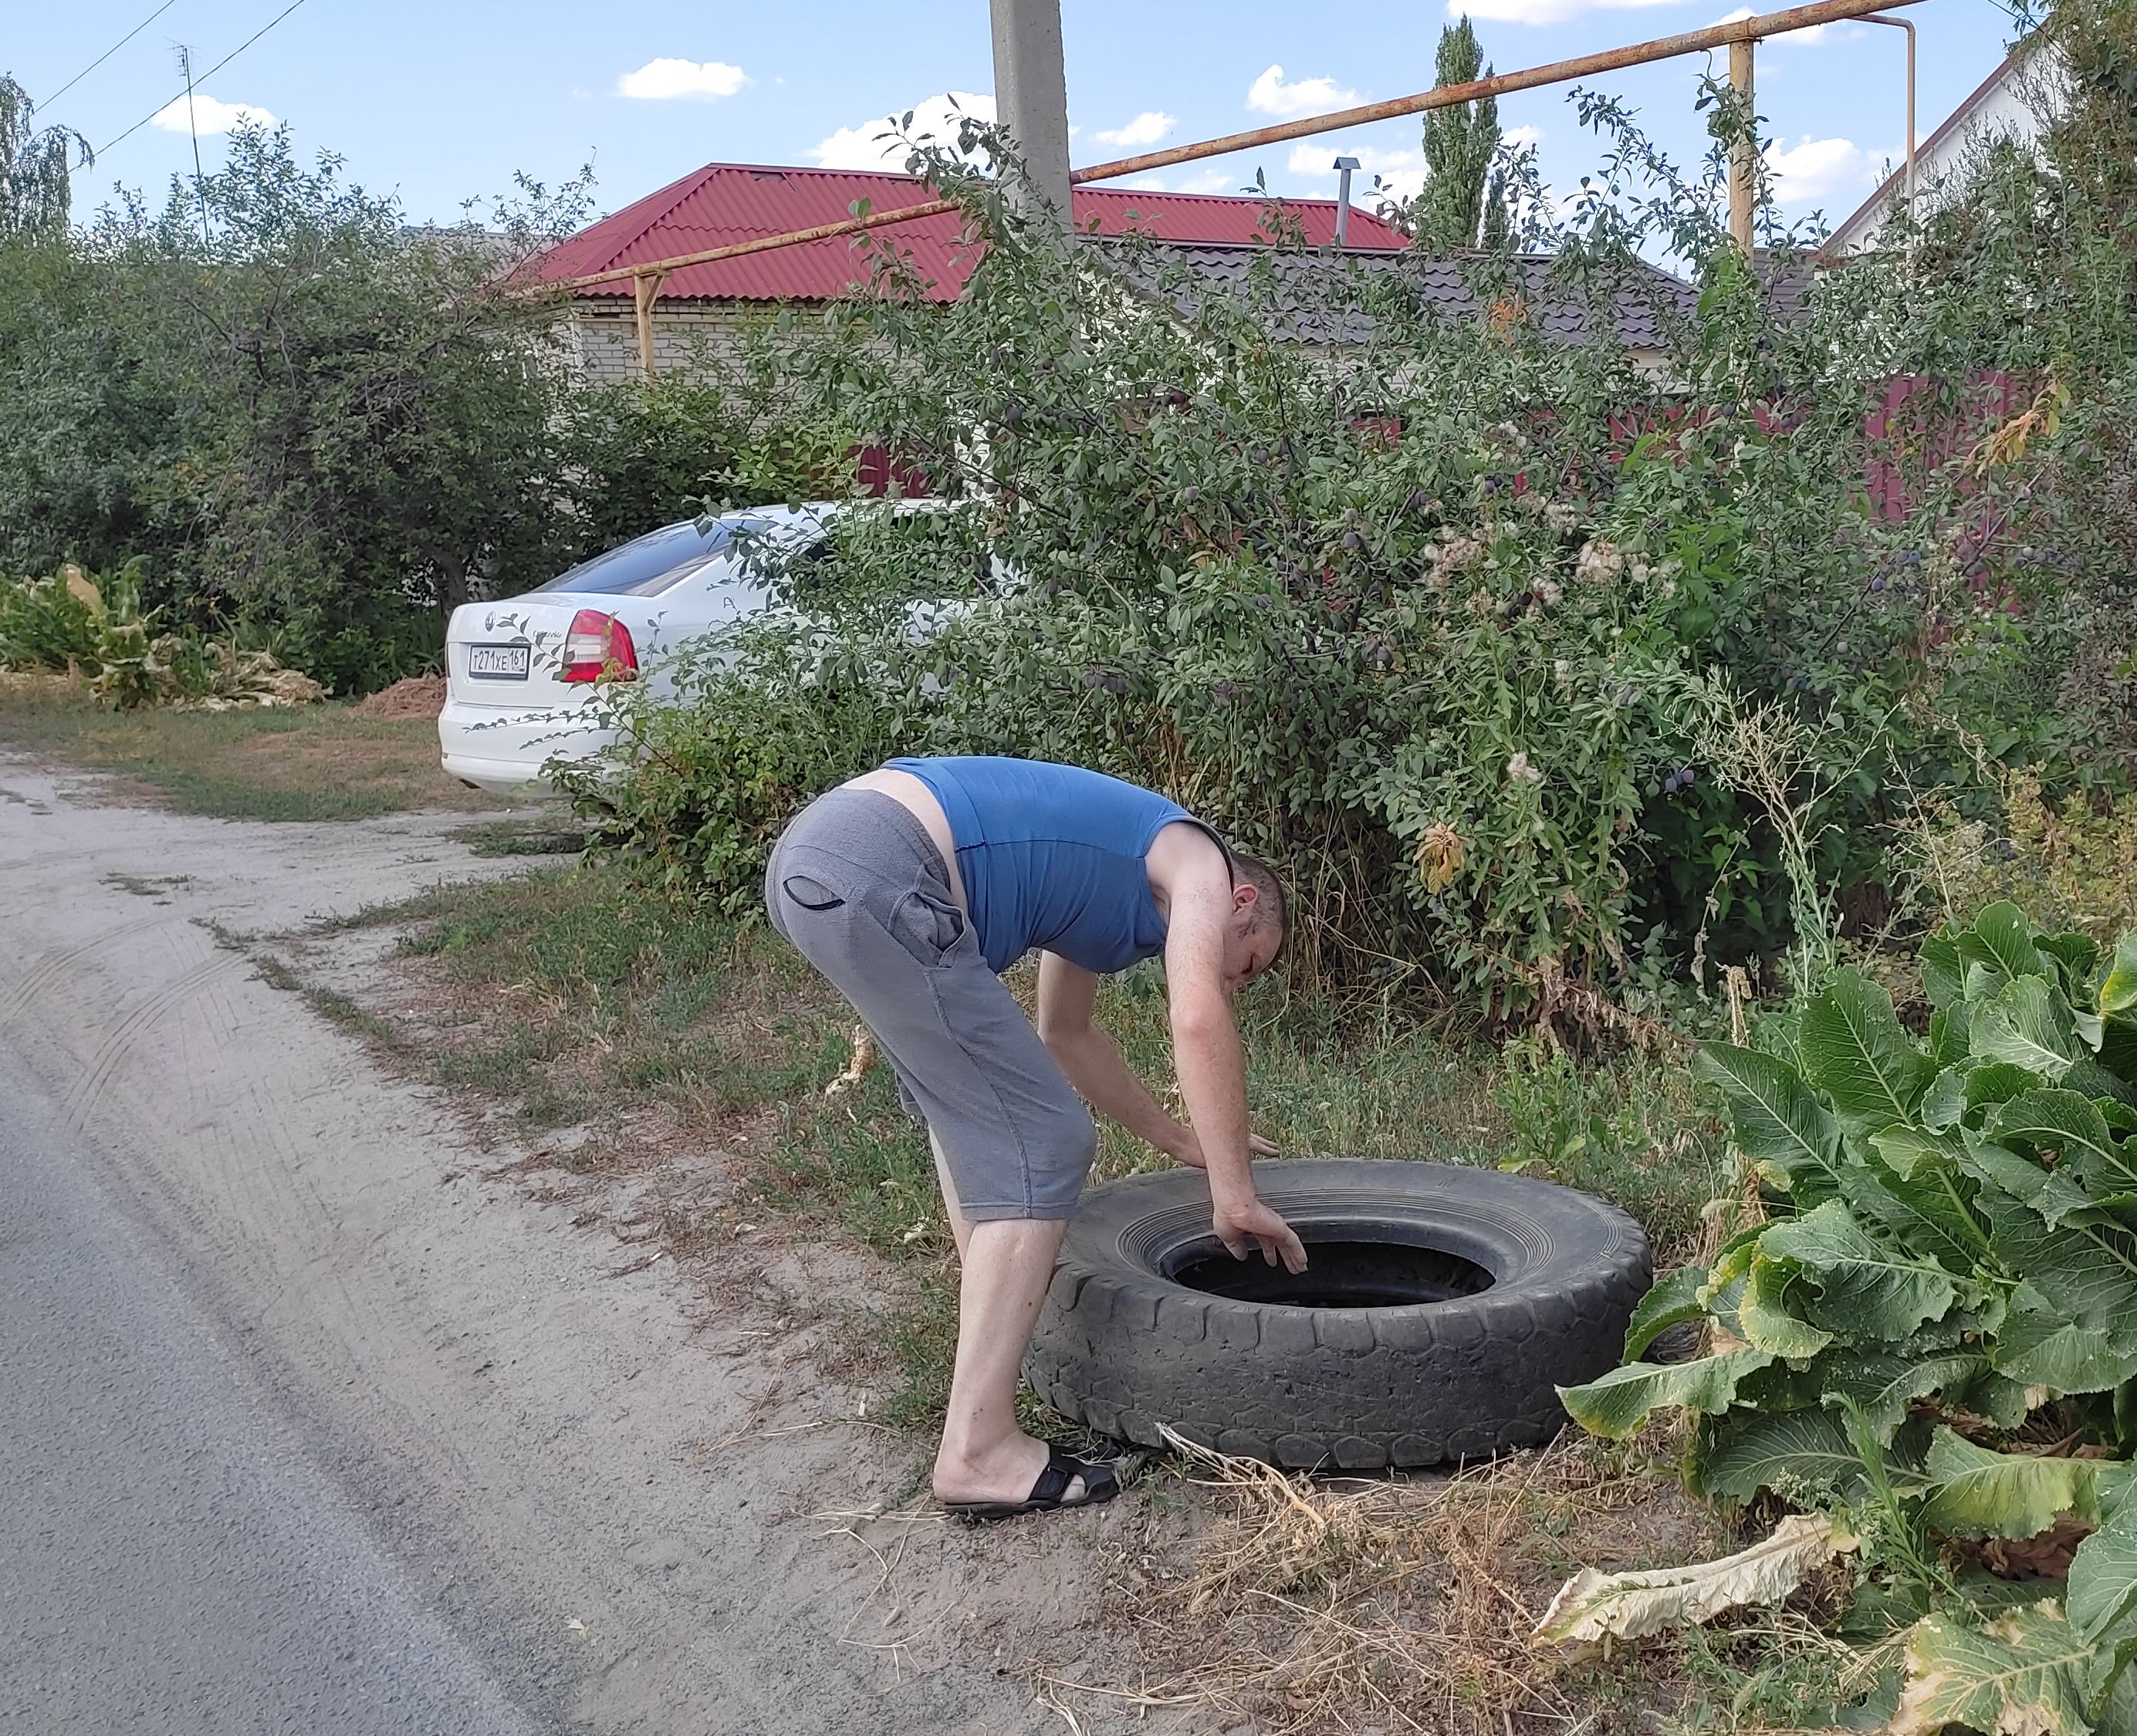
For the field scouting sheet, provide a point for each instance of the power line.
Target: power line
(109, 52)
(211, 72)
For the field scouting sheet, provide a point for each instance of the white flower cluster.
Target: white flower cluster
(1601, 563)
(1454, 552)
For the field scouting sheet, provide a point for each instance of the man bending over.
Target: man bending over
(912, 889)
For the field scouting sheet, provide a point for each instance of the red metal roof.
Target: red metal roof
(726, 202)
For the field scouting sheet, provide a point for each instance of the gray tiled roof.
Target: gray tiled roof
(1326, 298)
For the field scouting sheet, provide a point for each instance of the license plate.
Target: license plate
(499, 662)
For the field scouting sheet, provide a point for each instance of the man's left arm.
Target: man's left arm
(1212, 1065)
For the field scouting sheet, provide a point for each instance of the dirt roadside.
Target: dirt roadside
(662, 1519)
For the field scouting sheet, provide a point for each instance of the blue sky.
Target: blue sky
(441, 101)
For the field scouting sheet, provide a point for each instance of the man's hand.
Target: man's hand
(1242, 1227)
(1184, 1148)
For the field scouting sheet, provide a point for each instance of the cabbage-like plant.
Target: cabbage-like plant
(1934, 1334)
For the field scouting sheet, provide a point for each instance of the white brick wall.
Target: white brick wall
(604, 334)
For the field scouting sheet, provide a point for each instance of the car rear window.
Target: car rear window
(652, 563)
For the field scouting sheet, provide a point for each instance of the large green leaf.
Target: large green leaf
(1776, 1118)
(1880, 1384)
(2051, 1193)
(2044, 1343)
(2028, 1673)
(1869, 1289)
(1767, 1315)
(1944, 971)
(2103, 1575)
(1855, 1051)
(1673, 1300)
(2091, 1078)
(2118, 991)
(1622, 1400)
(1975, 1492)
(1804, 1455)
(2061, 1124)
(2076, 953)
(1948, 1029)
(2118, 1047)
(1998, 1082)
(1944, 1102)
(2001, 938)
(1904, 1150)
(2028, 1025)
(2072, 1325)
(1928, 1211)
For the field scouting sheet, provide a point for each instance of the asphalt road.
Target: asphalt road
(171, 1560)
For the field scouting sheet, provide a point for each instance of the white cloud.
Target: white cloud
(659, 80)
(1269, 94)
(1514, 137)
(1816, 36)
(1541, 12)
(1212, 181)
(1401, 172)
(1147, 128)
(209, 116)
(874, 143)
(1814, 168)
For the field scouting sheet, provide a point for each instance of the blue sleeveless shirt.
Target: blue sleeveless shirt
(1052, 856)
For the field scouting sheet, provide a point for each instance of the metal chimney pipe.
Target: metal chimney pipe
(1344, 165)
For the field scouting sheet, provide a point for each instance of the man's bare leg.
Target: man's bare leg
(960, 1226)
(985, 1456)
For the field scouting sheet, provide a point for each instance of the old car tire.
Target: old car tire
(1441, 1308)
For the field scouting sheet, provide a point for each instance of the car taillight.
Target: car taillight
(598, 644)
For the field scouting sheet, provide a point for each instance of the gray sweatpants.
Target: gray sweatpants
(856, 883)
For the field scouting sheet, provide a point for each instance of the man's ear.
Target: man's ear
(1245, 895)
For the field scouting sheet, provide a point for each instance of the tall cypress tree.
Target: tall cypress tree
(1464, 204)
(34, 167)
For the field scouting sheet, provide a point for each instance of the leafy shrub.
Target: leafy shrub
(318, 420)
(69, 623)
(698, 787)
(1935, 1337)
(1424, 620)
(2074, 861)
(52, 622)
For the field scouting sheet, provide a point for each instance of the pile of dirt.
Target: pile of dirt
(419, 696)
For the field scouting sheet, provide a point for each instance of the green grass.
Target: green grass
(304, 763)
(580, 997)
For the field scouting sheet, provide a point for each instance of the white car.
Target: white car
(520, 672)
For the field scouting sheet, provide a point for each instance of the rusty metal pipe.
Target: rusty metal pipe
(1559, 72)
(767, 243)
(1447, 96)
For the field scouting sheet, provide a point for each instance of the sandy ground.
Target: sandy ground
(651, 1516)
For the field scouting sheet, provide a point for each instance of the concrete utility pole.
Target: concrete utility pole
(1743, 151)
(1031, 94)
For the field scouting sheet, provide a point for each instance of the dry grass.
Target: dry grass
(304, 763)
(1323, 1607)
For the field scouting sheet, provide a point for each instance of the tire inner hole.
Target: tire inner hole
(1339, 1274)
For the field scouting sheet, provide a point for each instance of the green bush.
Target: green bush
(1935, 1336)
(318, 420)
(1435, 620)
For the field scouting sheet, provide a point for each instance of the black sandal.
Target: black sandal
(1099, 1484)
